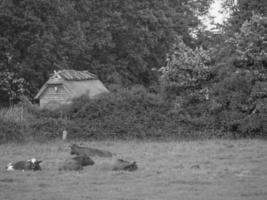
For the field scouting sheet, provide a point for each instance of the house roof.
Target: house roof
(73, 75)
(75, 82)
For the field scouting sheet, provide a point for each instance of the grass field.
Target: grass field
(213, 169)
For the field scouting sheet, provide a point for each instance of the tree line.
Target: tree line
(212, 79)
(119, 40)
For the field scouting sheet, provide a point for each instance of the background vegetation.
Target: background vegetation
(169, 76)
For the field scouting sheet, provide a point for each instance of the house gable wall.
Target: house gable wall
(70, 84)
(54, 94)
(91, 88)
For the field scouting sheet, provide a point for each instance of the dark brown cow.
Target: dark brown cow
(84, 160)
(76, 163)
(90, 152)
(71, 164)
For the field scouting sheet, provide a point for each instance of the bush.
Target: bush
(11, 131)
(48, 128)
(231, 95)
(124, 114)
(137, 114)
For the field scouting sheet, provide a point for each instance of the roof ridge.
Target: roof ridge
(71, 74)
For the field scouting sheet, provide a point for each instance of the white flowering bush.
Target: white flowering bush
(11, 87)
(185, 68)
(242, 91)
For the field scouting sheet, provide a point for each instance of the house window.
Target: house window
(56, 88)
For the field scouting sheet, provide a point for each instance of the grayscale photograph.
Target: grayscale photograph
(133, 99)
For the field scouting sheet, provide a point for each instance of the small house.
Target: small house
(64, 85)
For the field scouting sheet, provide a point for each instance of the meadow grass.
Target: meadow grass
(209, 169)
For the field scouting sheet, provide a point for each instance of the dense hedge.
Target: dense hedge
(125, 114)
(11, 131)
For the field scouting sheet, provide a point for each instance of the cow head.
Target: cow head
(131, 167)
(74, 149)
(34, 164)
(121, 164)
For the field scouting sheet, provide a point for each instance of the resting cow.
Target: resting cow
(84, 160)
(120, 164)
(32, 164)
(90, 152)
(71, 164)
(76, 163)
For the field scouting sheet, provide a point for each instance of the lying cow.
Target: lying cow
(120, 164)
(71, 164)
(76, 163)
(84, 160)
(32, 164)
(90, 152)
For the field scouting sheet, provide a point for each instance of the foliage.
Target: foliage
(185, 68)
(13, 113)
(241, 11)
(125, 39)
(241, 92)
(46, 128)
(125, 114)
(10, 131)
(228, 95)
(119, 40)
(185, 80)
(30, 31)
(209, 81)
(11, 88)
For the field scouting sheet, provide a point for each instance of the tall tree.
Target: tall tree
(120, 40)
(241, 90)
(185, 81)
(128, 38)
(30, 32)
(242, 10)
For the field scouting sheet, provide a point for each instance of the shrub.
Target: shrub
(11, 131)
(124, 114)
(230, 96)
(48, 128)
(242, 87)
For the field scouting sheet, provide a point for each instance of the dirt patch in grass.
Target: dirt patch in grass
(214, 169)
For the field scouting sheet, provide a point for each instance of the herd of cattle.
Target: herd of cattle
(81, 157)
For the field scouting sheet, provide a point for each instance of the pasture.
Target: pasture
(210, 170)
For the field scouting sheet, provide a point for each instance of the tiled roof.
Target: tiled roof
(54, 81)
(73, 75)
(76, 82)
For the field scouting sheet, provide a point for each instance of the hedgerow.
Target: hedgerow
(131, 113)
